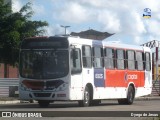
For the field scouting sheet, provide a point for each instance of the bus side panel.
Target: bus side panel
(99, 77)
(76, 87)
(115, 78)
(121, 78)
(137, 77)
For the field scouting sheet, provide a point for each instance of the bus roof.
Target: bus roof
(120, 45)
(105, 43)
(78, 40)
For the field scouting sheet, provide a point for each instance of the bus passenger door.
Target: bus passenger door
(87, 65)
(76, 73)
(148, 70)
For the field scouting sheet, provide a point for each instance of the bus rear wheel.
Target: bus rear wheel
(87, 98)
(43, 103)
(130, 97)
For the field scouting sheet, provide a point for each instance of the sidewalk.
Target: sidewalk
(9, 100)
(148, 98)
(15, 100)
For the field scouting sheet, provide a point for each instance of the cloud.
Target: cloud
(132, 23)
(123, 18)
(72, 12)
(39, 9)
(137, 39)
(154, 27)
(56, 30)
(16, 5)
(109, 21)
(112, 16)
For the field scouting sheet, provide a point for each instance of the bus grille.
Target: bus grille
(42, 85)
(42, 94)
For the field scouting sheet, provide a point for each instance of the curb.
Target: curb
(148, 98)
(10, 102)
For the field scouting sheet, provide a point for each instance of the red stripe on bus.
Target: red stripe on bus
(121, 78)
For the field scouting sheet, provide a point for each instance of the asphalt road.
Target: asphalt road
(68, 110)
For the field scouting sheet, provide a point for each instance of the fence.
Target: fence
(8, 86)
(156, 86)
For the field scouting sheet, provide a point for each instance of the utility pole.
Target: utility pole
(65, 27)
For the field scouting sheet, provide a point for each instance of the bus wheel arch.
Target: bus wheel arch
(87, 96)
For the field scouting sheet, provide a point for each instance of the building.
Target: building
(12, 71)
(92, 34)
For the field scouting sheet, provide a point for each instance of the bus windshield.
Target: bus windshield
(44, 64)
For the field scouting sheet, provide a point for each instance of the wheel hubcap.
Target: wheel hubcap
(131, 97)
(86, 97)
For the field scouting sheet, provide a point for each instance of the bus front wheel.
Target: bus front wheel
(87, 98)
(43, 103)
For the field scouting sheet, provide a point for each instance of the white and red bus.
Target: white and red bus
(71, 68)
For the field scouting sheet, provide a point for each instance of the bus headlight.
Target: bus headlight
(62, 87)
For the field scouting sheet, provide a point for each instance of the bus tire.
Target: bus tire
(87, 98)
(130, 97)
(43, 103)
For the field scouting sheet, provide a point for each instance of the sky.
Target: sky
(122, 17)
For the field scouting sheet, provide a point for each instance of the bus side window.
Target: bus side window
(76, 66)
(139, 59)
(147, 61)
(97, 57)
(120, 54)
(109, 61)
(131, 59)
(87, 57)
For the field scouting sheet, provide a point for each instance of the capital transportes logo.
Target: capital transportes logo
(130, 77)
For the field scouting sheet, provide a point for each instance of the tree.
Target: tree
(14, 27)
